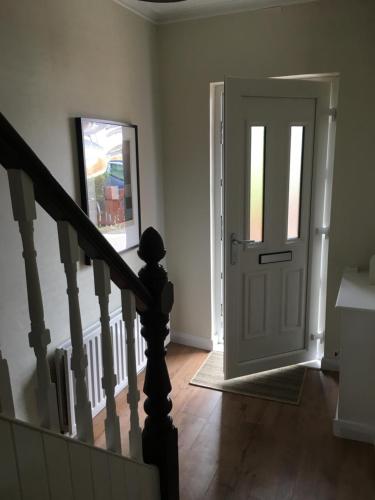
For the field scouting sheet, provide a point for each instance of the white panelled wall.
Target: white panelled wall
(37, 464)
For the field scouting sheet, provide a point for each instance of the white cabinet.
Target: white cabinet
(355, 417)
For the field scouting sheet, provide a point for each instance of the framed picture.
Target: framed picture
(109, 176)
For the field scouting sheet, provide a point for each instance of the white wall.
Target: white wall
(323, 37)
(60, 59)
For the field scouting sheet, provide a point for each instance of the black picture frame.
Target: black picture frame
(108, 162)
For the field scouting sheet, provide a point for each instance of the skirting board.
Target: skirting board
(354, 430)
(192, 341)
(330, 364)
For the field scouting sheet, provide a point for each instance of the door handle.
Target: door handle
(234, 243)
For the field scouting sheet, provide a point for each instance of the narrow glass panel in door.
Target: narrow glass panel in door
(295, 178)
(257, 144)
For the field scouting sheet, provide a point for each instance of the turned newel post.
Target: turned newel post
(159, 437)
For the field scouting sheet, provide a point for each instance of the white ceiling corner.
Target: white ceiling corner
(160, 13)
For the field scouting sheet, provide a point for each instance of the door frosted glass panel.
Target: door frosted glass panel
(295, 176)
(257, 140)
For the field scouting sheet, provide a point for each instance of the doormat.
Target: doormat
(283, 384)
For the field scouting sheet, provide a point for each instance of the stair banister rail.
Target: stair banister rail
(16, 154)
(151, 294)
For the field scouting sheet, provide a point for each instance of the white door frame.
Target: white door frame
(216, 163)
(320, 215)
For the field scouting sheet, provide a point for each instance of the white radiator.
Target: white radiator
(92, 345)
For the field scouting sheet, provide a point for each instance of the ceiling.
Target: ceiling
(191, 9)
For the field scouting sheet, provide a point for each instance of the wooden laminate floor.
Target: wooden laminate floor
(233, 447)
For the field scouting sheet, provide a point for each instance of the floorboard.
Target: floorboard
(235, 447)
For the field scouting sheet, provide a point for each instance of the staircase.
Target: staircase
(38, 463)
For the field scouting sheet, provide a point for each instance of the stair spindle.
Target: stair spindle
(6, 396)
(135, 433)
(69, 254)
(24, 212)
(109, 380)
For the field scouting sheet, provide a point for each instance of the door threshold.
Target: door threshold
(218, 346)
(314, 363)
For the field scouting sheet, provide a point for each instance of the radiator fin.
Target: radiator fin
(92, 345)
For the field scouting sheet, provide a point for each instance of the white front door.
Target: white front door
(270, 138)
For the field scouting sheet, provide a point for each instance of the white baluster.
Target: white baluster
(112, 422)
(23, 204)
(6, 397)
(135, 433)
(69, 254)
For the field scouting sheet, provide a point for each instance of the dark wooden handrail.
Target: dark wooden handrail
(16, 154)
